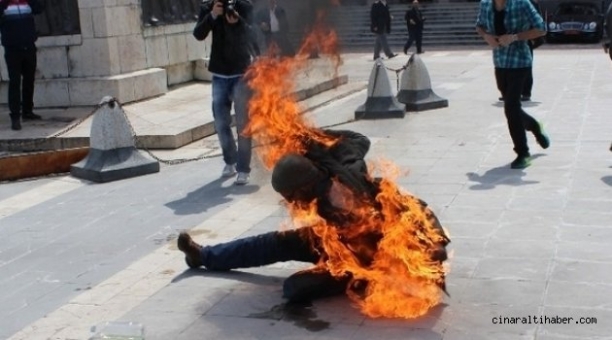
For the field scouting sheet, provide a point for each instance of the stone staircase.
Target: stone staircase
(448, 24)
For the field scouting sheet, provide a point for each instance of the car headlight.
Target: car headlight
(592, 25)
(552, 25)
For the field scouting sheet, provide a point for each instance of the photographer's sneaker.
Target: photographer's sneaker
(242, 179)
(229, 170)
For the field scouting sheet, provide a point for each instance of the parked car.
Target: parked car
(576, 21)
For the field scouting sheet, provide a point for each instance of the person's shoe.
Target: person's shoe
(521, 162)
(15, 124)
(501, 99)
(392, 56)
(31, 116)
(421, 52)
(541, 137)
(405, 51)
(191, 249)
(242, 179)
(229, 170)
(525, 98)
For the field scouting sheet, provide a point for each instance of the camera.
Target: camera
(229, 6)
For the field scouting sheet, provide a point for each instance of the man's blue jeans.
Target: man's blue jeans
(226, 91)
(278, 246)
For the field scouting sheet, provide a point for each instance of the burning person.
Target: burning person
(367, 239)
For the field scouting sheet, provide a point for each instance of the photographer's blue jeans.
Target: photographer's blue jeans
(226, 91)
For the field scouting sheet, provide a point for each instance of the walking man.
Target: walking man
(506, 26)
(19, 35)
(380, 24)
(414, 21)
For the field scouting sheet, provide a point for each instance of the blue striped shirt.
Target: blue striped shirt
(520, 16)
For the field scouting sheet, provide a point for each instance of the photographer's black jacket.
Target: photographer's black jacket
(17, 23)
(233, 46)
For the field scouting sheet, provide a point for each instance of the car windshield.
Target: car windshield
(576, 9)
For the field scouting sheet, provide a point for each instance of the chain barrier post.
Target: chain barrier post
(381, 103)
(112, 148)
(415, 87)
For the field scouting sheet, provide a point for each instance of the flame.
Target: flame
(392, 245)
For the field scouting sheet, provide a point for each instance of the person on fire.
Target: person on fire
(323, 175)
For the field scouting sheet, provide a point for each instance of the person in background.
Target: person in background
(380, 24)
(272, 21)
(19, 36)
(414, 20)
(233, 48)
(506, 26)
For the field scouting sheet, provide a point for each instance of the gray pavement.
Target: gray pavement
(525, 242)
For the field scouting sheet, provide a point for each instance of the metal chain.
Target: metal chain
(164, 161)
(397, 73)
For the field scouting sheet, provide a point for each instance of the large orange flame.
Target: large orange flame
(404, 278)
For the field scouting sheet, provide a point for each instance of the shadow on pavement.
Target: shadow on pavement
(210, 195)
(501, 175)
(235, 275)
(607, 180)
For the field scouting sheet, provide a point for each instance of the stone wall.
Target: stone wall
(113, 55)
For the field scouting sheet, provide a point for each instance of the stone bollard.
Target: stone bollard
(112, 151)
(380, 102)
(415, 88)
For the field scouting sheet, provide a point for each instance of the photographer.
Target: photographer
(233, 48)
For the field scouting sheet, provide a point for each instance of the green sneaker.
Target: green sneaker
(521, 162)
(541, 137)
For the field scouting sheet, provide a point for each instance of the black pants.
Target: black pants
(382, 43)
(291, 245)
(529, 80)
(510, 82)
(414, 35)
(21, 63)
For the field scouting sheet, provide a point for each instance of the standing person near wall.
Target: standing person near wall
(232, 51)
(272, 21)
(506, 26)
(19, 35)
(414, 20)
(380, 24)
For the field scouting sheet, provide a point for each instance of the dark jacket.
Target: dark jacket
(233, 46)
(415, 15)
(263, 16)
(17, 25)
(380, 18)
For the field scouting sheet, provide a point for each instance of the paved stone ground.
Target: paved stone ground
(530, 242)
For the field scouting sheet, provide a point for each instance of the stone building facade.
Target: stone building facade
(112, 53)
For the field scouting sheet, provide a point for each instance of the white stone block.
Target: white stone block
(100, 22)
(91, 3)
(132, 53)
(53, 62)
(201, 70)
(180, 73)
(157, 51)
(196, 49)
(60, 40)
(95, 57)
(150, 83)
(86, 19)
(51, 93)
(177, 48)
(88, 91)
